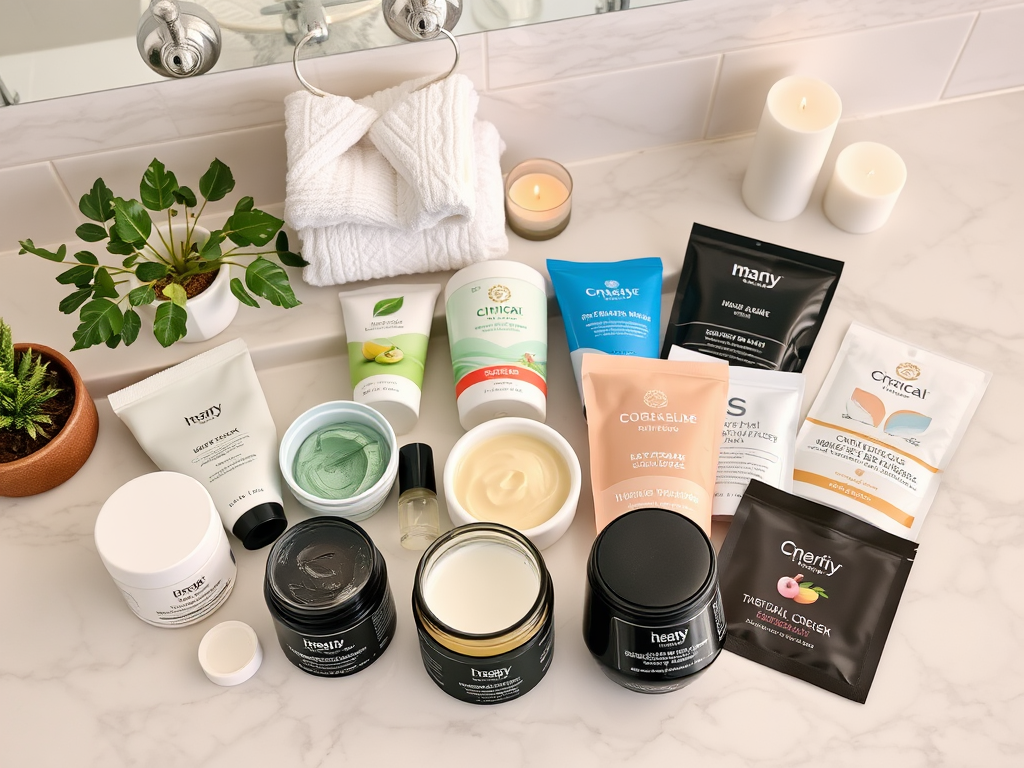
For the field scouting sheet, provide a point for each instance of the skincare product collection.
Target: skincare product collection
(824, 513)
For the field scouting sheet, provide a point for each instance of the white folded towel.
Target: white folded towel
(403, 181)
(346, 253)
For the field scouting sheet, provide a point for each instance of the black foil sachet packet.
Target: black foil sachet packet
(750, 302)
(809, 590)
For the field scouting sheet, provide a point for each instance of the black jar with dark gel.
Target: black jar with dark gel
(653, 617)
(327, 588)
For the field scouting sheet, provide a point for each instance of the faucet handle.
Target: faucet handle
(178, 39)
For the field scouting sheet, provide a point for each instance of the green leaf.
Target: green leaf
(241, 294)
(211, 248)
(144, 294)
(176, 294)
(245, 204)
(130, 261)
(113, 341)
(79, 276)
(101, 319)
(252, 227)
(267, 279)
(131, 221)
(27, 246)
(130, 328)
(216, 182)
(290, 259)
(148, 271)
(169, 325)
(91, 233)
(86, 257)
(388, 306)
(185, 196)
(73, 301)
(104, 285)
(118, 246)
(96, 203)
(158, 187)
(806, 584)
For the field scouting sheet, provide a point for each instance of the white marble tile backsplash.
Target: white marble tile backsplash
(874, 70)
(573, 90)
(994, 56)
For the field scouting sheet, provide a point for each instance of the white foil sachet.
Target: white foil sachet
(762, 416)
(883, 427)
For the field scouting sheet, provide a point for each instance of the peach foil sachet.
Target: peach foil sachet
(655, 430)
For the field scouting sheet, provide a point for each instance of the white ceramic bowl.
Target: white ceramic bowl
(357, 507)
(548, 532)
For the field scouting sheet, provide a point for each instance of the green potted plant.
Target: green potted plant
(48, 422)
(178, 268)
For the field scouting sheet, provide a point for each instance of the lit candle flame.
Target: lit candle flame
(803, 103)
(536, 191)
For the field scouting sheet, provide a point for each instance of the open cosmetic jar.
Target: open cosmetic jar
(516, 472)
(483, 603)
(340, 458)
(652, 616)
(327, 589)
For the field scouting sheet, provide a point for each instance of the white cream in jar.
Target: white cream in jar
(514, 479)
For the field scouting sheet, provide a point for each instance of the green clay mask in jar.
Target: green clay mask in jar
(339, 461)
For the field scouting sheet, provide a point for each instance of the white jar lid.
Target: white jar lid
(157, 530)
(230, 653)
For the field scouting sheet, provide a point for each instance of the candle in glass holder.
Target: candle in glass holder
(864, 186)
(799, 119)
(538, 199)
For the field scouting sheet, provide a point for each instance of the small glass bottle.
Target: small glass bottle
(418, 517)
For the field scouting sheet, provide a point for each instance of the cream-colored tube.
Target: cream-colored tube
(207, 418)
(388, 329)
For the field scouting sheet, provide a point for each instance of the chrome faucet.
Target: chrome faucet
(178, 39)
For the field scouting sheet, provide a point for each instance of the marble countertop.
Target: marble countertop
(85, 683)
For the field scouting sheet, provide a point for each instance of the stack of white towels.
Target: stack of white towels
(404, 181)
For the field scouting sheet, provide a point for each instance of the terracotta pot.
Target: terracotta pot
(65, 454)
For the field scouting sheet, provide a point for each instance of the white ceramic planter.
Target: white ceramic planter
(210, 312)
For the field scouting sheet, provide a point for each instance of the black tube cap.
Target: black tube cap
(260, 525)
(416, 467)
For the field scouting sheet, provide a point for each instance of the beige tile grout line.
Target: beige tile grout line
(65, 191)
(960, 54)
(714, 97)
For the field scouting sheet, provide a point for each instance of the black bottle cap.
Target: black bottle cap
(260, 525)
(416, 467)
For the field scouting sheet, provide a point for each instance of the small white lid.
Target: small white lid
(230, 653)
(157, 530)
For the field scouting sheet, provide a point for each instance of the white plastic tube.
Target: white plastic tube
(207, 418)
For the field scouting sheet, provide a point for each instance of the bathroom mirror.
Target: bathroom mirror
(55, 48)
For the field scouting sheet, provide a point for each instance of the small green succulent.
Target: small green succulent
(23, 388)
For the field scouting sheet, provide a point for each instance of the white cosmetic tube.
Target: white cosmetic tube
(208, 418)
(388, 330)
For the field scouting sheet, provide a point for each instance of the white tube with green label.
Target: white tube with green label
(388, 328)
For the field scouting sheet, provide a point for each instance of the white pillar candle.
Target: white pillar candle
(797, 125)
(864, 186)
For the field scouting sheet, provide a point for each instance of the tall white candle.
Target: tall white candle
(797, 125)
(864, 186)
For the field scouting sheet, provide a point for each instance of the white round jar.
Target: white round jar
(163, 543)
(497, 313)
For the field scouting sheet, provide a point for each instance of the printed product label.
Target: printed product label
(497, 328)
(190, 600)
(489, 680)
(341, 653)
(676, 651)
(882, 428)
(385, 359)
